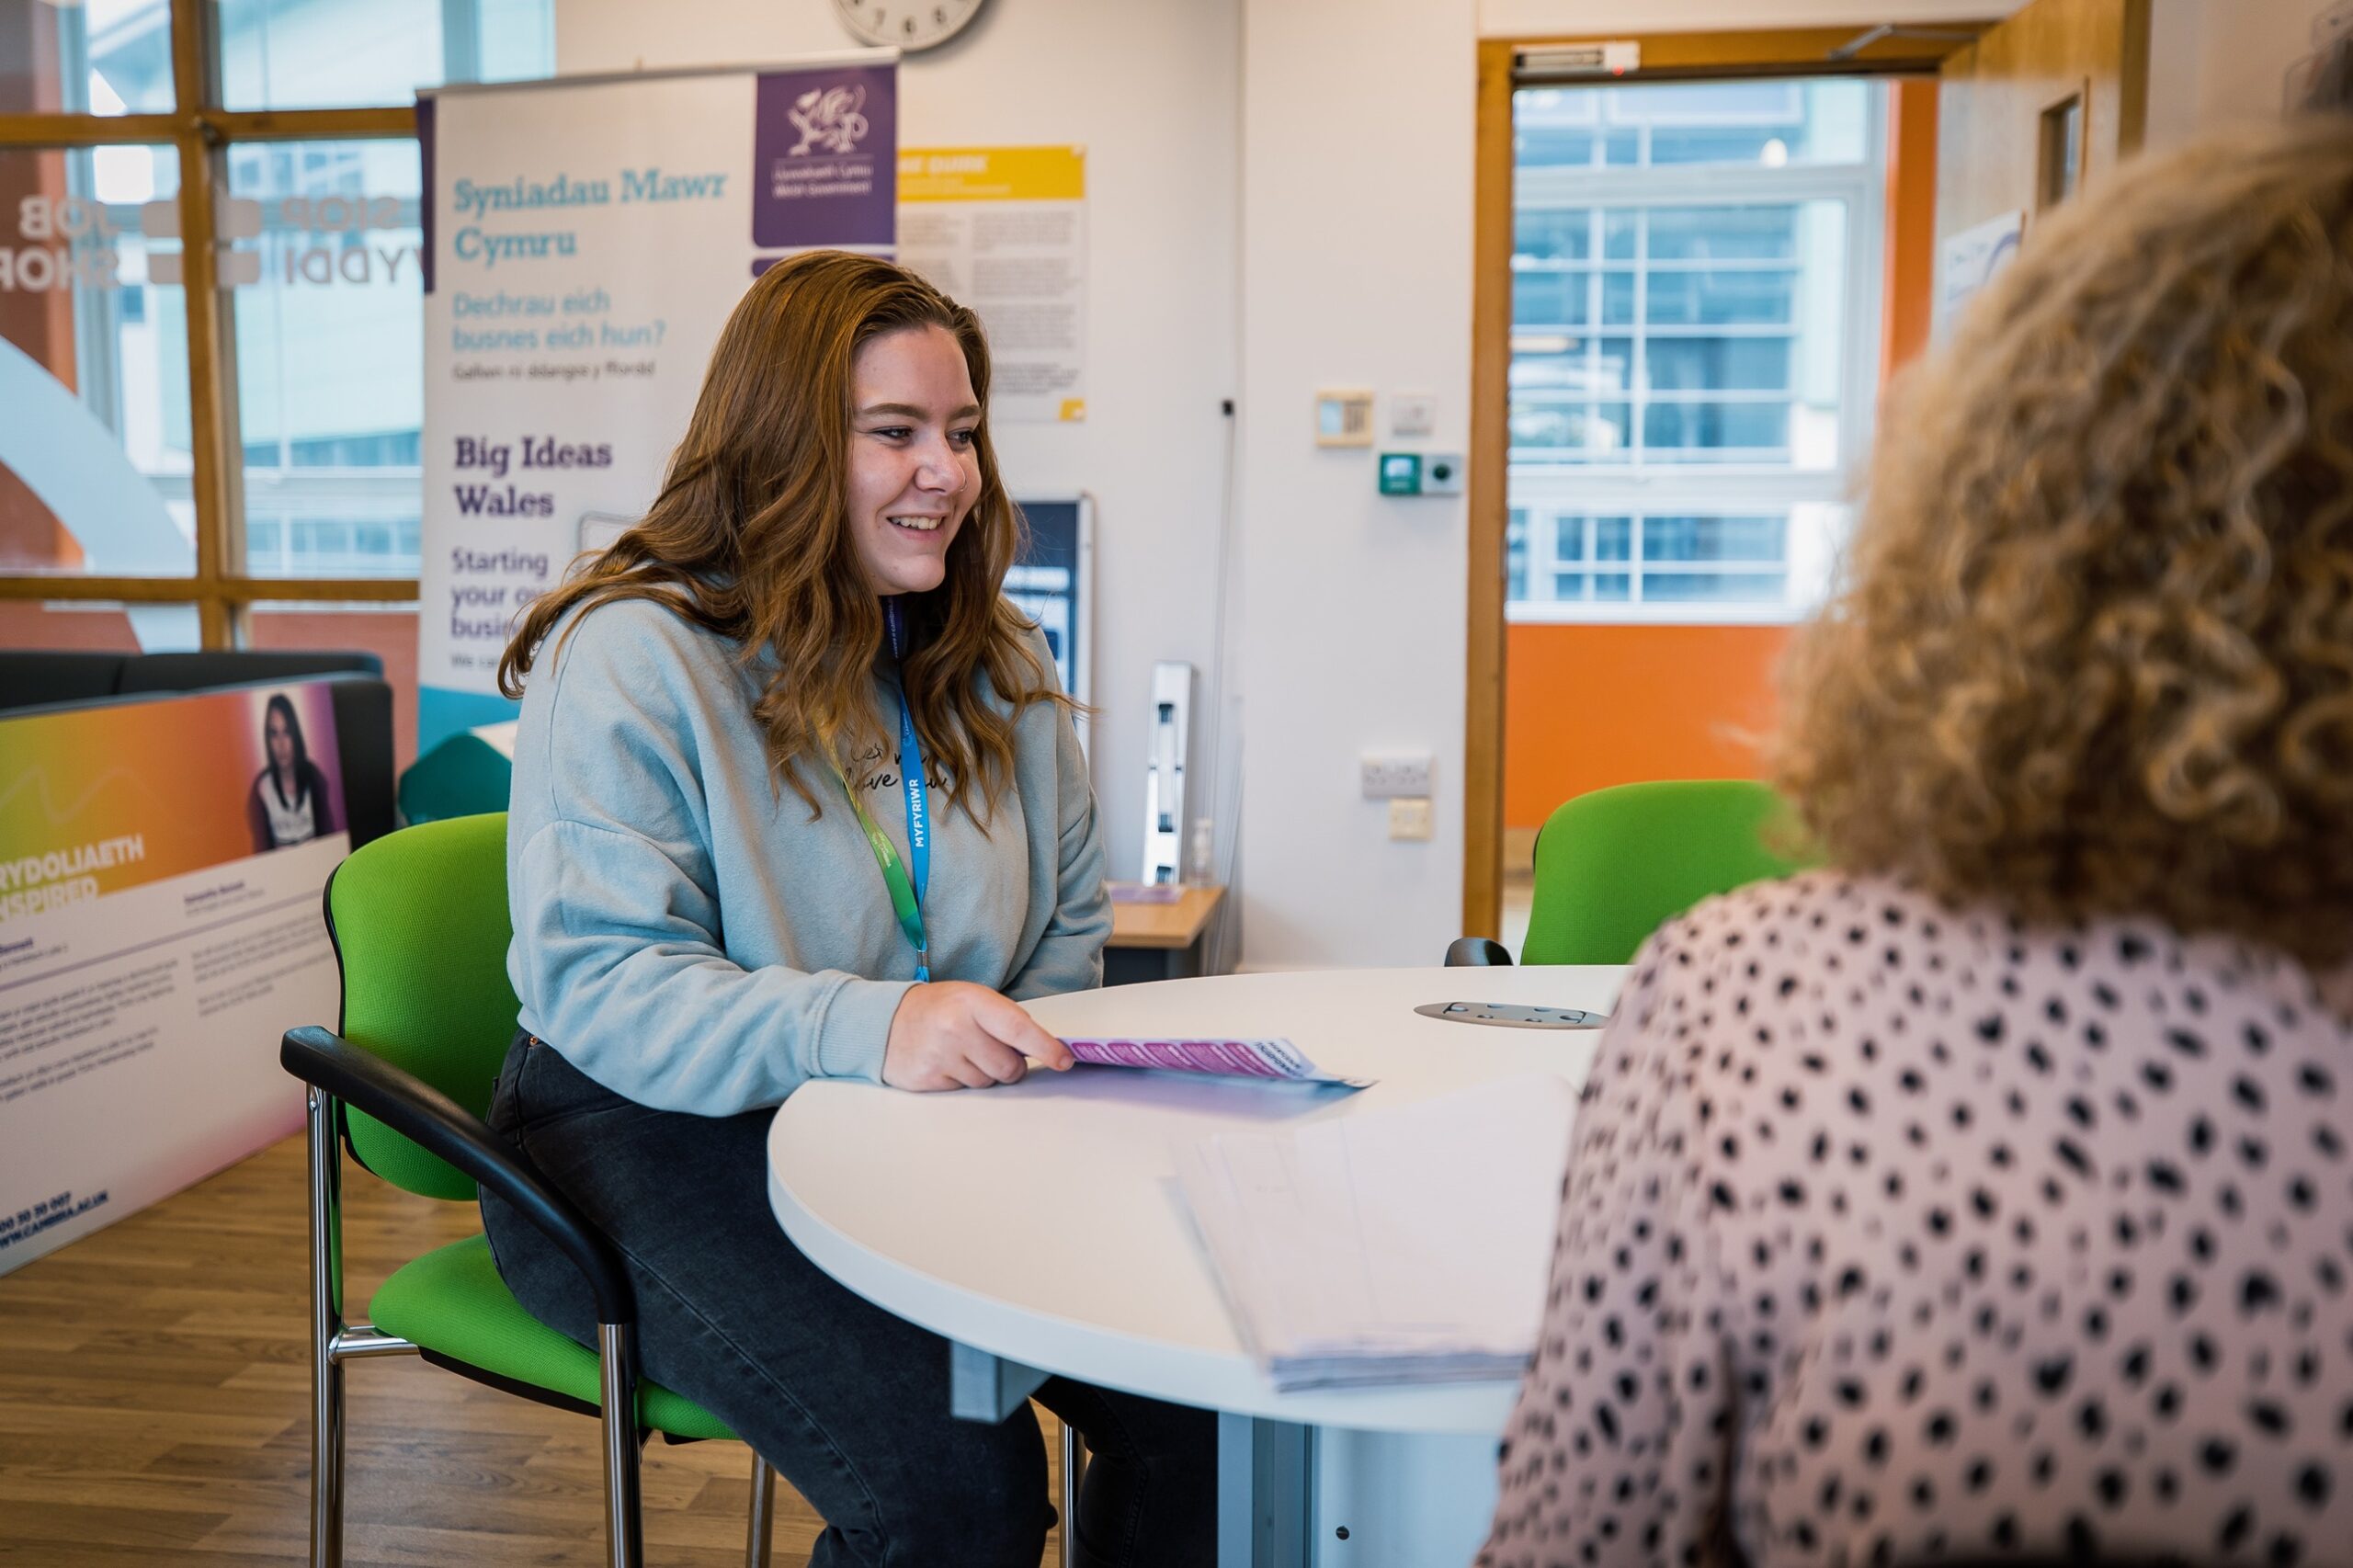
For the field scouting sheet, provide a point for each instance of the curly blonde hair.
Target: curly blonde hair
(2093, 652)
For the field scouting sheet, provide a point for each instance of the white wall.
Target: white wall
(1150, 88)
(1359, 123)
(2216, 62)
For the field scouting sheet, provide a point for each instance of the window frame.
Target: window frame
(202, 131)
(1547, 489)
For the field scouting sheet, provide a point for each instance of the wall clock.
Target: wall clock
(907, 24)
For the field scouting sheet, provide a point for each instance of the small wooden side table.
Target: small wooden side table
(1159, 941)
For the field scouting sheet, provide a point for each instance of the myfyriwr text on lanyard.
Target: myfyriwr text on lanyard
(906, 899)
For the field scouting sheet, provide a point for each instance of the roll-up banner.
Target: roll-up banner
(161, 863)
(584, 241)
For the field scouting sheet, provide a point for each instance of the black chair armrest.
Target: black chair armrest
(421, 1113)
(1477, 952)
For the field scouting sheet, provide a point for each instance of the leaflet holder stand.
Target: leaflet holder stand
(1163, 785)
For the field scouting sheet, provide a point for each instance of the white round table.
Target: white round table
(1037, 1226)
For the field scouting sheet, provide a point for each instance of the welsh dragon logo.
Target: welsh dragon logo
(828, 119)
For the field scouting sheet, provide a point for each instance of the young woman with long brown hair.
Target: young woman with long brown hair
(795, 797)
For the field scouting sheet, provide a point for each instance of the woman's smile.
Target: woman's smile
(914, 467)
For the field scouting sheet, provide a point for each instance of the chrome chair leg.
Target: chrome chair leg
(624, 1535)
(1073, 1470)
(326, 1323)
(761, 1536)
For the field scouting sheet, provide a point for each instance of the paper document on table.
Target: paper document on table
(1396, 1246)
(1275, 1059)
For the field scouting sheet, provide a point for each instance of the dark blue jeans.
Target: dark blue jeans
(849, 1403)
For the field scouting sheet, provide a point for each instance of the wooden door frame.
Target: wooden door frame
(1781, 52)
(1482, 697)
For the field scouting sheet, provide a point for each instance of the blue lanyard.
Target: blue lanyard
(911, 778)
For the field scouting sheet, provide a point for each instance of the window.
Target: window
(1694, 334)
(86, 59)
(329, 54)
(97, 463)
(210, 351)
(2060, 153)
(330, 391)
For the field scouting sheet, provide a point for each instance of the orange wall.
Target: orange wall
(1586, 706)
(1909, 298)
(1589, 706)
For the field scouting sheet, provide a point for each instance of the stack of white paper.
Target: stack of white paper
(1391, 1246)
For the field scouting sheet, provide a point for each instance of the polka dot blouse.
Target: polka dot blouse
(1895, 1234)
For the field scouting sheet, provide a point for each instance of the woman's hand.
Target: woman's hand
(952, 1034)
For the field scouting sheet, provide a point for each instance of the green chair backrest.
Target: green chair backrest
(462, 777)
(421, 931)
(1615, 865)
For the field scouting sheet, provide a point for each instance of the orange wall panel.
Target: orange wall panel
(1909, 295)
(92, 628)
(1589, 706)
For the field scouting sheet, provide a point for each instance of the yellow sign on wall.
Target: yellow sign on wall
(992, 174)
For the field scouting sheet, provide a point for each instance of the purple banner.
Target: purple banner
(826, 157)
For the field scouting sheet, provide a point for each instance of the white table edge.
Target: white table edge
(1224, 1381)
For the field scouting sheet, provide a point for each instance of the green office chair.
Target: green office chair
(420, 928)
(1614, 865)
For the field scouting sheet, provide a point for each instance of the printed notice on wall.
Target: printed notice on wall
(1003, 230)
(160, 929)
(1971, 260)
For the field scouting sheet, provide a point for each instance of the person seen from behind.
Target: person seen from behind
(1987, 1194)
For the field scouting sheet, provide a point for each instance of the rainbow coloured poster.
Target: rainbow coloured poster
(161, 865)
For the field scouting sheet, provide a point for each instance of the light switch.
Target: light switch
(1410, 819)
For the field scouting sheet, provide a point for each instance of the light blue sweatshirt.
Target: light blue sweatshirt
(686, 936)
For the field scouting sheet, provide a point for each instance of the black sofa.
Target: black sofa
(363, 702)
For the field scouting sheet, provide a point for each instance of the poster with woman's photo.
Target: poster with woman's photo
(161, 865)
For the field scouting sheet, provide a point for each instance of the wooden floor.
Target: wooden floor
(155, 1409)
